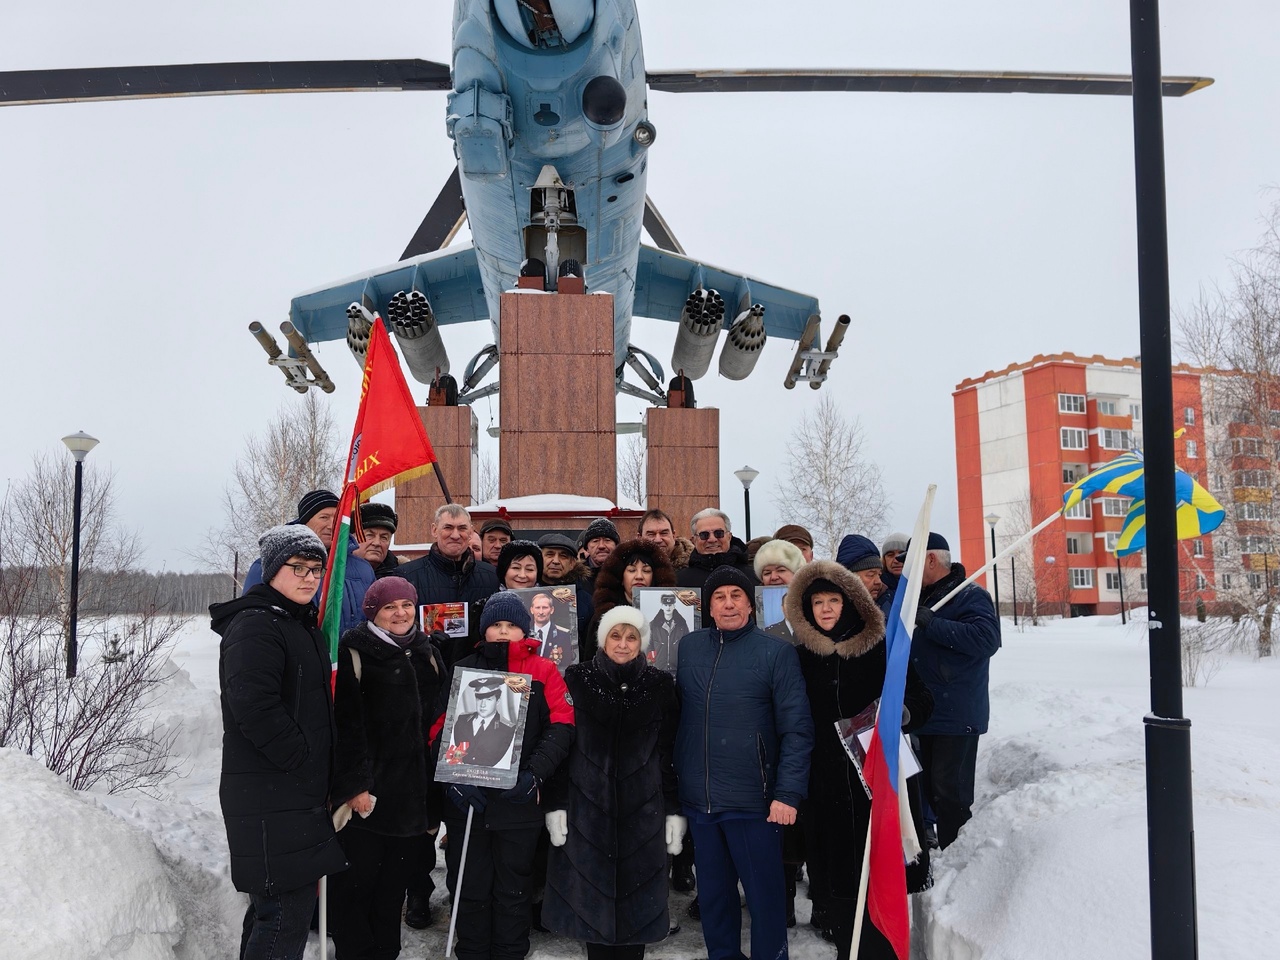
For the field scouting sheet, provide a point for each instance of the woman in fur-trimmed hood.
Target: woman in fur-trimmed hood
(839, 634)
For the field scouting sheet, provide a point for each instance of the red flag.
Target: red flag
(388, 444)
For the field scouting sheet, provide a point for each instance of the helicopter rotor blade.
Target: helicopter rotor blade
(906, 81)
(442, 221)
(22, 87)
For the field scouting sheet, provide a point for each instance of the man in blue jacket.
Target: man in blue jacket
(952, 651)
(742, 757)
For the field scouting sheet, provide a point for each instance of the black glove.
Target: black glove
(526, 789)
(924, 617)
(463, 795)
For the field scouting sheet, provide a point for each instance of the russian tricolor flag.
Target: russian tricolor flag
(892, 838)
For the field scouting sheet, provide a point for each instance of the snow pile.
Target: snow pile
(1054, 863)
(81, 883)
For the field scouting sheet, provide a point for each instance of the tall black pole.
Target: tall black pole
(1013, 580)
(73, 652)
(995, 573)
(1120, 580)
(1170, 834)
(746, 506)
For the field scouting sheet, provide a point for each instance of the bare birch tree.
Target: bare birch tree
(632, 453)
(830, 485)
(486, 479)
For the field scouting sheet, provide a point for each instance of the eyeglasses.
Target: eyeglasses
(705, 535)
(303, 570)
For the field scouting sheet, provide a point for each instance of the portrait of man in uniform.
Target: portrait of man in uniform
(483, 735)
(669, 617)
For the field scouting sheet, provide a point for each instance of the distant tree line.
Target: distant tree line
(114, 592)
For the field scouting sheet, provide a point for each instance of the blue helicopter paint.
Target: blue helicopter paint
(572, 100)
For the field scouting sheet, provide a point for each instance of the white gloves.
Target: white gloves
(676, 825)
(558, 826)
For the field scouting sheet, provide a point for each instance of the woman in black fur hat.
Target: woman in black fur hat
(839, 632)
(635, 563)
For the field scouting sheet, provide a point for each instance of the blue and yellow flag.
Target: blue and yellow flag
(1198, 512)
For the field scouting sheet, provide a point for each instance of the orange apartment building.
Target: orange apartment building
(1024, 434)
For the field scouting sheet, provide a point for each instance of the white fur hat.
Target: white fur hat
(778, 551)
(623, 614)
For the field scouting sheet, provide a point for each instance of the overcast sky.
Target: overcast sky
(962, 233)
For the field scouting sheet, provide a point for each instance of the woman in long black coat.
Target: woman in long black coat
(839, 632)
(613, 810)
(384, 708)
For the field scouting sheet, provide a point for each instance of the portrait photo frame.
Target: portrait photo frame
(560, 643)
(483, 729)
(686, 617)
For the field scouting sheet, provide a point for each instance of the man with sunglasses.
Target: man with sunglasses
(714, 545)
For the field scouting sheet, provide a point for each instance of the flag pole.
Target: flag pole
(860, 914)
(444, 487)
(998, 557)
(457, 887)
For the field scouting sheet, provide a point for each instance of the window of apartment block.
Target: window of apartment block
(1253, 511)
(1255, 581)
(1201, 582)
(1193, 451)
(1253, 478)
(1135, 411)
(1081, 578)
(1116, 439)
(1247, 447)
(1254, 544)
(1071, 403)
(1113, 581)
(1111, 539)
(1189, 416)
(1223, 547)
(1197, 548)
(1142, 582)
(1081, 511)
(1077, 544)
(1073, 438)
(1107, 408)
(1226, 581)
(1071, 472)
(1114, 507)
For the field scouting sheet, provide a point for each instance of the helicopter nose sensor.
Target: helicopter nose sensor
(604, 101)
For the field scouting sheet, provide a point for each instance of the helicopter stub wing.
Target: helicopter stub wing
(450, 279)
(664, 281)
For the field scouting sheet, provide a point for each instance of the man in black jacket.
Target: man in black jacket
(447, 574)
(277, 744)
(379, 522)
(714, 545)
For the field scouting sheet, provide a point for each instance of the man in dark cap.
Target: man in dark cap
(797, 535)
(859, 555)
(561, 567)
(318, 510)
(487, 735)
(740, 794)
(599, 540)
(952, 650)
(378, 521)
(494, 535)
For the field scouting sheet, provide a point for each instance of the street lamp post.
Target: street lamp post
(1013, 579)
(992, 519)
(745, 476)
(79, 444)
(1120, 581)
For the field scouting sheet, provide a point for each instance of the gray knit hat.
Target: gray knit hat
(288, 540)
(599, 527)
(895, 541)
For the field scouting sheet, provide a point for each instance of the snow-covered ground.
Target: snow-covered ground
(1053, 864)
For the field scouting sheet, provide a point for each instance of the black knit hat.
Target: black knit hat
(505, 605)
(313, 502)
(513, 551)
(288, 540)
(726, 576)
(599, 527)
(378, 515)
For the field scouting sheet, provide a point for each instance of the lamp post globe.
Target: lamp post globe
(745, 476)
(79, 443)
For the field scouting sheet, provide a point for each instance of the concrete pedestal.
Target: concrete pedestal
(453, 434)
(683, 469)
(558, 411)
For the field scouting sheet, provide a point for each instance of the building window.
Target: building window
(1116, 439)
(1071, 472)
(1081, 511)
(1114, 507)
(1253, 511)
(1255, 581)
(1201, 582)
(1142, 582)
(1111, 538)
(1197, 548)
(1077, 544)
(1254, 544)
(1113, 581)
(1135, 411)
(1247, 447)
(1261, 479)
(1223, 548)
(1226, 581)
(1073, 438)
(1189, 416)
(1192, 450)
(1081, 578)
(1071, 403)
(1107, 408)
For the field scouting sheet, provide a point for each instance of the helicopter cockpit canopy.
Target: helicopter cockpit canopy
(545, 24)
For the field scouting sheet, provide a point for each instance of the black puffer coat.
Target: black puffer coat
(700, 565)
(384, 725)
(277, 743)
(843, 676)
(608, 883)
